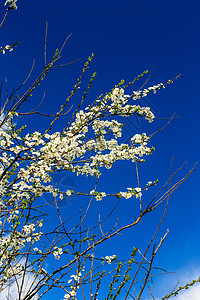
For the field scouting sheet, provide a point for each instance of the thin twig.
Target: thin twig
(4, 18)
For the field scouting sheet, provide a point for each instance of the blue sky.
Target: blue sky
(126, 38)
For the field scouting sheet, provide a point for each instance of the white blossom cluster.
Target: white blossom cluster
(44, 154)
(67, 151)
(57, 252)
(17, 241)
(11, 244)
(72, 293)
(89, 143)
(12, 4)
(136, 191)
(100, 195)
(131, 192)
(110, 258)
(11, 271)
(145, 92)
(7, 47)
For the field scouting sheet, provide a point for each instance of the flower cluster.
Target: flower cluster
(145, 92)
(109, 259)
(7, 47)
(68, 151)
(12, 4)
(57, 252)
(74, 287)
(131, 192)
(100, 195)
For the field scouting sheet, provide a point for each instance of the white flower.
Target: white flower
(68, 193)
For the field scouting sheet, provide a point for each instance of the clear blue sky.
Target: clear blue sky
(127, 37)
